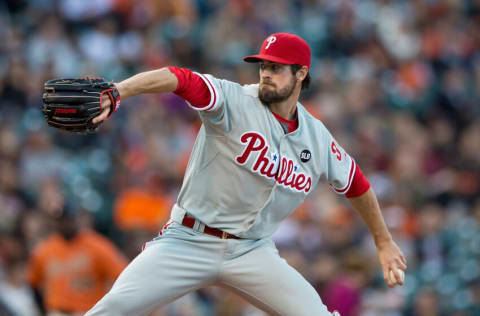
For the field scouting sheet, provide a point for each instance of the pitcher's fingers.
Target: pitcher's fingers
(101, 117)
(401, 265)
(386, 277)
(402, 257)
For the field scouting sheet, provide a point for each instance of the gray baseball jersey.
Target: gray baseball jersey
(245, 173)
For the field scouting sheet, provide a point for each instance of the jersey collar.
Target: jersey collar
(292, 124)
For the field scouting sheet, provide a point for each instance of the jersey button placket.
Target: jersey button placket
(280, 157)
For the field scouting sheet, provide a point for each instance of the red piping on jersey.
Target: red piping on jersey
(350, 176)
(213, 89)
(359, 185)
(170, 222)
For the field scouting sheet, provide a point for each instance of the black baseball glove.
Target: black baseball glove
(71, 104)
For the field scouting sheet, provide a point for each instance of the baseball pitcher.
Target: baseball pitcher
(257, 156)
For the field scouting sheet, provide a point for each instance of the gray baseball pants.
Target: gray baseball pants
(183, 260)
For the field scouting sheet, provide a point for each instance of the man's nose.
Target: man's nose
(265, 74)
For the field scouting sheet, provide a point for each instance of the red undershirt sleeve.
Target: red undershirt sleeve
(191, 87)
(359, 185)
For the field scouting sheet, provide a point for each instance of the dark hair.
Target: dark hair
(306, 81)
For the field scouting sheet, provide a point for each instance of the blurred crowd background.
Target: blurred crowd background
(396, 82)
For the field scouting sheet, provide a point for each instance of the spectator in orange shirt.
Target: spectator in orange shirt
(140, 212)
(72, 269)
(145, 207)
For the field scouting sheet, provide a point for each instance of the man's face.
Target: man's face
(66, 226)
(276, 82)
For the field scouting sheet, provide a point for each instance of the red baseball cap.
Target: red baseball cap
(283, 48)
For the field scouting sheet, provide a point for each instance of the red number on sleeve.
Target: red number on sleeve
(336, 152)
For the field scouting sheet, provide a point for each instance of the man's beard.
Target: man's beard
(270, 96)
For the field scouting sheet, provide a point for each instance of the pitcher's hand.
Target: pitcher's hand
(107, 107)
(391, 258)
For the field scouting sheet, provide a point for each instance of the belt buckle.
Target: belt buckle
(224, 235)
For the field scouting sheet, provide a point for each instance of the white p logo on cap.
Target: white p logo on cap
(270, 41)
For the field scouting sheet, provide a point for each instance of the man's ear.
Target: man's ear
(302, 73)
